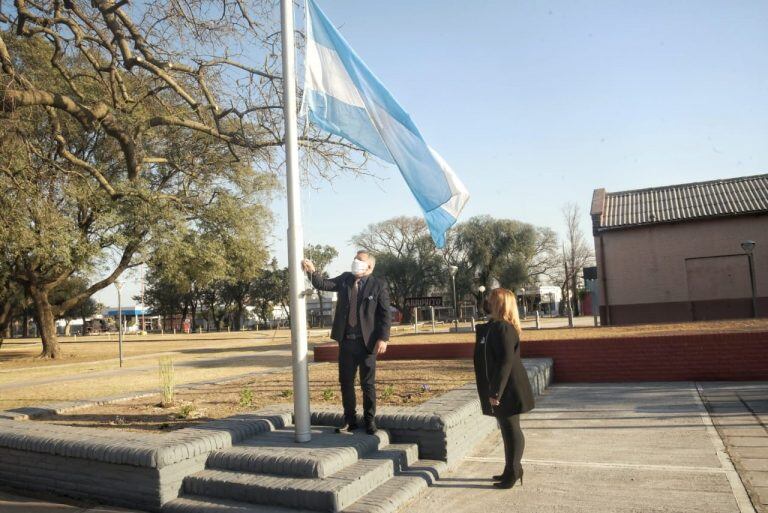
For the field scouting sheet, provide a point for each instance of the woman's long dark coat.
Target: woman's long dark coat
(499, 370)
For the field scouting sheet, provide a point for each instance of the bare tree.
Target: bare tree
(577, 253)
(406, 256)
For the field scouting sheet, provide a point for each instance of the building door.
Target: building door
(718, 287)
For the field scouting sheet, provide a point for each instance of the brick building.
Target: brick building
(673, 253)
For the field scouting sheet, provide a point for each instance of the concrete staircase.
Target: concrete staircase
(270, 473)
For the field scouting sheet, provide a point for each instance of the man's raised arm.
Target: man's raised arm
(320, 283)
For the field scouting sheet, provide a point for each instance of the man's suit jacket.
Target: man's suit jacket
(373, 306)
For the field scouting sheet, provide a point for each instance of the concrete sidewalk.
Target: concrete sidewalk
(740, 414)
(604, 448)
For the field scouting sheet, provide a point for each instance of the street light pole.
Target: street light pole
(454, 270)
(119, 286)
(748, 246)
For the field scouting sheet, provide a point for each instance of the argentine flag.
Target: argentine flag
(342, 96)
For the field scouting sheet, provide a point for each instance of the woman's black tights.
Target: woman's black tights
(514, 444)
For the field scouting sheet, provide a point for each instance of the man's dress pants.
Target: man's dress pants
(353, 355)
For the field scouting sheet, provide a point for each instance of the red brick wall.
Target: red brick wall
(704, 357)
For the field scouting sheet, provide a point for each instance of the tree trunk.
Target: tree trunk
(239, 316)
(6, 319)
(25, 325)
(46, 323)
(575, 299)
(407, 313)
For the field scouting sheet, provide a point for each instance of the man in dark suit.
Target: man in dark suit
(361, 327)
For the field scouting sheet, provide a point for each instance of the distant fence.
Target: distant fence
(700, 357)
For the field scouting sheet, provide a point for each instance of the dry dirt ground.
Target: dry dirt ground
(398, 383)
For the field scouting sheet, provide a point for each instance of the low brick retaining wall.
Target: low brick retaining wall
(145, 471)
(700, 357)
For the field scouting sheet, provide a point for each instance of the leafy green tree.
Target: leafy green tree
(321, 256)
(512, 252)
(114, 137)
(210, 263)
(269, 290)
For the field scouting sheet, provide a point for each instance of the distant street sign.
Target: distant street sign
(414, 302)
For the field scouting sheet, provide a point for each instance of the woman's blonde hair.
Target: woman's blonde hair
(503, 305)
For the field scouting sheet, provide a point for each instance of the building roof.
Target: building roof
(128, 311)
(675, 203)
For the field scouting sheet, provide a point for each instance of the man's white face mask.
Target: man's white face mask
(359, 267)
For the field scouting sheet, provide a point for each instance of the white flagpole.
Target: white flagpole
(301, 418)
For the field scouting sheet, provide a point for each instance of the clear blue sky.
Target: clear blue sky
(535, 104)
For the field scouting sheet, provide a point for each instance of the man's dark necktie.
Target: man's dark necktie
(352, 319)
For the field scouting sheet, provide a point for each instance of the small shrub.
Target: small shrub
(388, 392)
(246, 397)
(186, 411)
(286, 394)
(328, 394)
(167, 382)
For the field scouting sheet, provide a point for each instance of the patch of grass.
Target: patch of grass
(186, 411)
(246, 397)
(286, 394)
(328, 395)
(388, 392)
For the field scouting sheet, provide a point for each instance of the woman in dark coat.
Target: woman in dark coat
(502, 381)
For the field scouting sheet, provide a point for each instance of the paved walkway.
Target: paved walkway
(607, 449)
(740, 414)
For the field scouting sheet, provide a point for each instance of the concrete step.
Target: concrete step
(427, 470)
(331, 494)
(396, 493)
(277, 453)
(389, 497)
(194, 504)
(402, 455)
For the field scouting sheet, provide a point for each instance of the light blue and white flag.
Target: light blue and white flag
(345, 98)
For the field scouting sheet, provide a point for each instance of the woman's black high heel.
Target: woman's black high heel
(510, 481)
